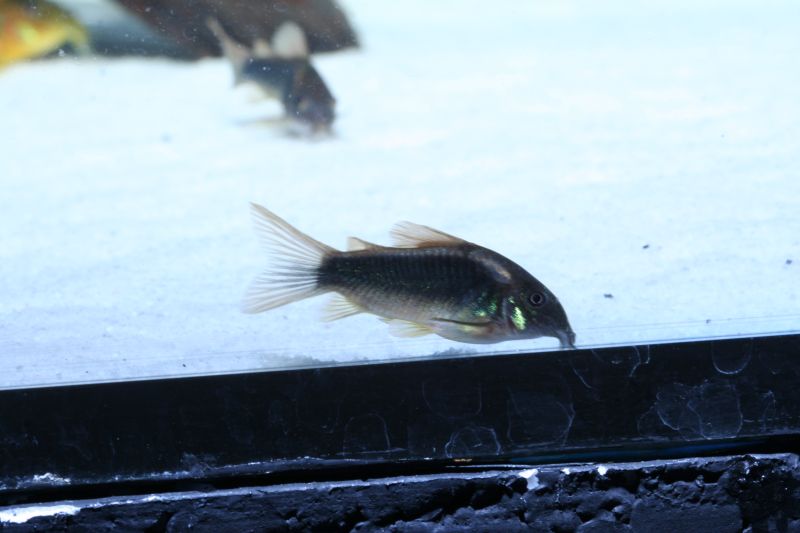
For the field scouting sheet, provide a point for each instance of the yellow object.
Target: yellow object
(34, 28)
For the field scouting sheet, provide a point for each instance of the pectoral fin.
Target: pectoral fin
(472, 332)
(404, 328)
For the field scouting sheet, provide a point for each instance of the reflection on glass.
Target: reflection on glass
(638, 160)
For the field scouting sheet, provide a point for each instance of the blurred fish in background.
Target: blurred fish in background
(36, 28)
(269, 42)
(282, 70)
(246, 21)
(173, 28)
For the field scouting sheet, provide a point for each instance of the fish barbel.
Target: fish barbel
(428, 282)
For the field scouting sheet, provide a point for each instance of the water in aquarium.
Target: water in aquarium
(250, 186)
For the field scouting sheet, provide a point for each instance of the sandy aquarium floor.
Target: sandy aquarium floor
(641, 162)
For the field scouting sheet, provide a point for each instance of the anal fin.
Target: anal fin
(340, 307)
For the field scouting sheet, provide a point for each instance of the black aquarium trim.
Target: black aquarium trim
(720, 494)
(613, 404)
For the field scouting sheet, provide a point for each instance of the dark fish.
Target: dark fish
(181, 22)
(429, 282)
(282, 70)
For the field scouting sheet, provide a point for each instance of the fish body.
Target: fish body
(35, 28)
(429, 282)
(282, 70)
(299, 87)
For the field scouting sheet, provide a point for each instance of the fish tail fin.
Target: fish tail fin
(237, 53)
(296, 261)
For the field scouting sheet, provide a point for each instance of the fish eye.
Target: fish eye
(536, 299)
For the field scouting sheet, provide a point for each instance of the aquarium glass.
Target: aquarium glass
(639, 159)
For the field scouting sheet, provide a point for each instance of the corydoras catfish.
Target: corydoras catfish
(282, 70)
(428, 282)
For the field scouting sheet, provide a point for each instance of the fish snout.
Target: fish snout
(318, 114)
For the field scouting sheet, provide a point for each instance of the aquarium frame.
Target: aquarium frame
(405, 417)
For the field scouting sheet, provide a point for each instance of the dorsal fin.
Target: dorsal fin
(410, 235)
(236, 53)
(289, 41)
(355, 244)
(261, 49)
